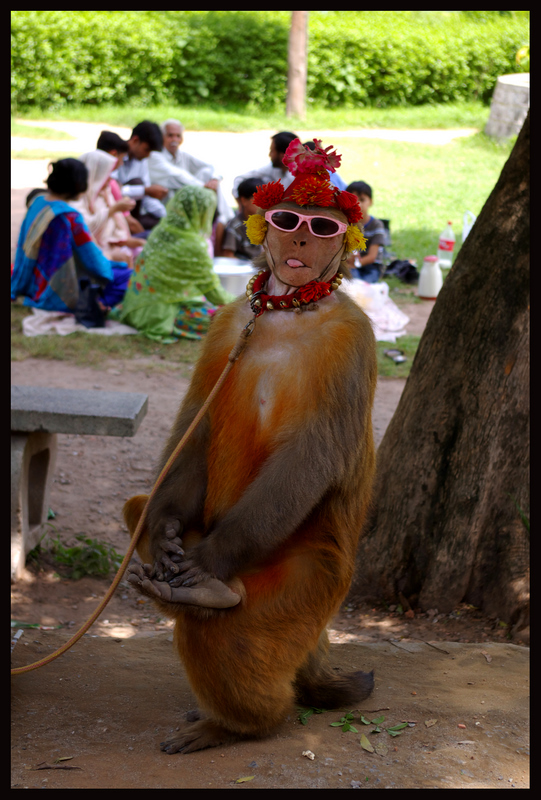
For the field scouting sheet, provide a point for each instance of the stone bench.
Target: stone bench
(38, 414)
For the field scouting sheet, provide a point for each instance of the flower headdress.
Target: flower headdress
(311, 187)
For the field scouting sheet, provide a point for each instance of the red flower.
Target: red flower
(313, 191)
(300, 160)
(268, 195)
(349, 204)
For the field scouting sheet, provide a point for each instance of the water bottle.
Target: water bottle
(446, 246)
(469, 219)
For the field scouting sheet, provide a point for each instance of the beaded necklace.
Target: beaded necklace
(309, 293)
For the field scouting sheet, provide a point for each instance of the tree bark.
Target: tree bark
(454, 462)
(297, 65)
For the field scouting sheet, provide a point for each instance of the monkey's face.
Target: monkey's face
(298, 257)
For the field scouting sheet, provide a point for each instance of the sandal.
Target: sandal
(396, 355)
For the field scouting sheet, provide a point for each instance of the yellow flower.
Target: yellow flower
(354, 239)
(256, 228)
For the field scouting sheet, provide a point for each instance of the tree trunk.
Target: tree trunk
(454, 463)
(297, 70)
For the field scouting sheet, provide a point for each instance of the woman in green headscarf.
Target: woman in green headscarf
(174, 290)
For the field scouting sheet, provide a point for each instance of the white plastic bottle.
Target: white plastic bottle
(430, 279)
(446, 246)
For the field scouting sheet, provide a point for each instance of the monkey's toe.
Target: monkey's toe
(198, 735)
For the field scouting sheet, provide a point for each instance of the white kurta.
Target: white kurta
(183, 169)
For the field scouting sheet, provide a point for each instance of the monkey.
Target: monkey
(262, 511)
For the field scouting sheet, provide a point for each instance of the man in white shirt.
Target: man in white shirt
(133, 175)
(275, 171)
(174, 168)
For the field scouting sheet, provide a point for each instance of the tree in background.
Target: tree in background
(297, 65)
(449, 521)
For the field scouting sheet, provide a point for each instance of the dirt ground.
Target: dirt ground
(116, 694)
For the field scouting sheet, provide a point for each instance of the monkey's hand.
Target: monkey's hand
(168, 551)
(143, 577)
(190, 574)
(210, 593)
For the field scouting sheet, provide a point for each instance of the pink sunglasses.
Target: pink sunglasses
(322, 227)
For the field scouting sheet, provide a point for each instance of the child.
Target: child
(235, 243)
(370, 267)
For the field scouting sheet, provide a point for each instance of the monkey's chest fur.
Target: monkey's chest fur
(271, 390)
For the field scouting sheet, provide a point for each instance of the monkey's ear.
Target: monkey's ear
(133, 508)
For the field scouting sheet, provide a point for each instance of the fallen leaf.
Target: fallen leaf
(378, 720)
(466, 741)
(245, 780)
(486, 655)
(365, 744)
(44, 765)
(62, 758)
(410, 614)
(430, 722)
(381, 749)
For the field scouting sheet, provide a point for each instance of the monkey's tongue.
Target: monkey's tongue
(293, 262)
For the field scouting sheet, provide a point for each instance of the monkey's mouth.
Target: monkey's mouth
(294, 263)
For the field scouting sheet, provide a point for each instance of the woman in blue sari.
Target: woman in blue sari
(57, 264)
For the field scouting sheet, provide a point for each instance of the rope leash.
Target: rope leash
(232, 357)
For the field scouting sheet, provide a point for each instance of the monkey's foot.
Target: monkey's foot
(210, 593)
(198, 735)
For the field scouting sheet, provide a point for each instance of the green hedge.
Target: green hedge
(238, 58)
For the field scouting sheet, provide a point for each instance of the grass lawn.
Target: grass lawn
(216, 118)
(35, 132)
(88, 350)
(419, 187)
(91, 350)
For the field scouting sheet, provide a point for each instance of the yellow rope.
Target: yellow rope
(233, 355)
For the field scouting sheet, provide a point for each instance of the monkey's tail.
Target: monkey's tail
(326, 690)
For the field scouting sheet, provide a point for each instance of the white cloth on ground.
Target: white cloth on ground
(388, 322)
(46, 322)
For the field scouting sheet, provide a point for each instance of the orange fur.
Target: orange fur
(307, 379)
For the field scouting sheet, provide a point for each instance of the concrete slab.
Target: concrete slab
(82, 411)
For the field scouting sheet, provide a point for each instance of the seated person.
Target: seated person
(31, 196)
(235, 243)
(103, 214)
(56, 257)
(368, 263)
(275, 171)
(334, 177)
(133, 176)
(113, 144)
(174, 291)
(174, 168)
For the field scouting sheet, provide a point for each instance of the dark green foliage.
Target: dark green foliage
(91, 557)
(239, 58)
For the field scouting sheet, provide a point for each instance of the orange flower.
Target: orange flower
(268, 195)
(313, 191)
